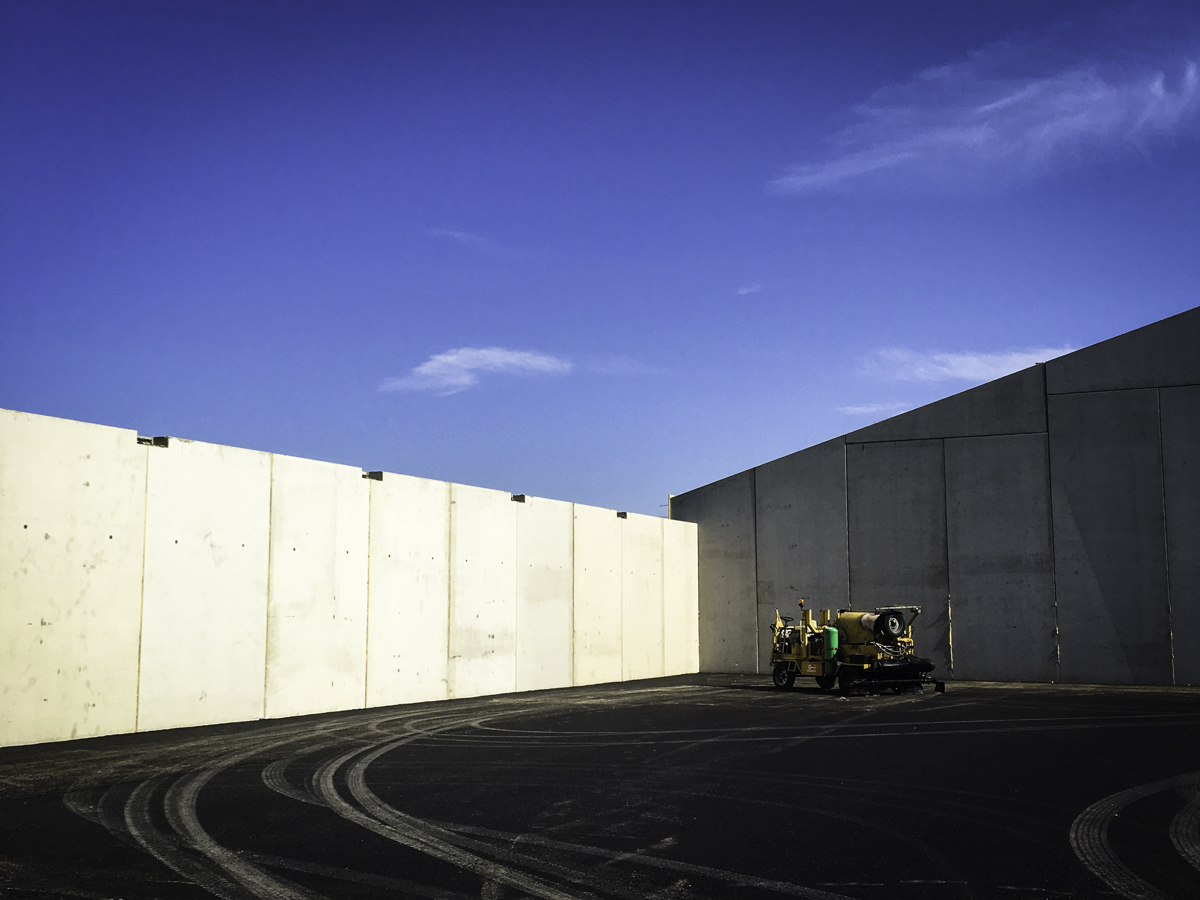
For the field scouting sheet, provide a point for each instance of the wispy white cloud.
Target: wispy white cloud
(458, 369)
(617, 365)
(478, 242)
(875, 409)
(749, 289)
(1008, 111)
(899, 364)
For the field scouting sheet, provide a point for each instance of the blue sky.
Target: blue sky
(595, 251)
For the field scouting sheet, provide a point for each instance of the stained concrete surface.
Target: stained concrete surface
(1014, 404)
(1160, 354)
(1001, 558)
(1180, 416)
(897, 517)
(727, 581)
(801, 524)
(1109, 538)
(690, 787)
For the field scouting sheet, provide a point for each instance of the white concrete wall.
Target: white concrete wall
(681, 606)
(641, 597)
(483, 592)
(544, 594)
(597, 645)
(151, 587)
(72, 500)
(409, 591)
(317, 611)
(204, 601)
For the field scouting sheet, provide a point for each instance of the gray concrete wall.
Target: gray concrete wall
(1001, 558)
(727, 585)
(1014, 404)
(1047, 522)
(1109, 537)
(800, 511)
(1180, 416)
(897, 522)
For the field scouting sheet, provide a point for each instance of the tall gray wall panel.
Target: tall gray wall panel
(1014, 404)
(897, 536)
(1181, 479)
(1109, 539)
(724, 514)
(1001, 558)
(1160, 355)
(801, 514)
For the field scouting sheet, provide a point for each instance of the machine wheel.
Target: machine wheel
(784, 677)
(826, 682)
(890, 625)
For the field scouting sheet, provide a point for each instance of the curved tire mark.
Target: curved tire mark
(1185, 827)
(166, 849)
(410, 836)
(1089, 839)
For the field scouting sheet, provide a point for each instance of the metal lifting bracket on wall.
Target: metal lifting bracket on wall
(517, 498)
(160, 441)
(374, 476)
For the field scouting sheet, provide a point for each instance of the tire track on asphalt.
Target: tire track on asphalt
(411, 835)
(166, 849)
(378, 809)
(1089, 839)
(1185, 827)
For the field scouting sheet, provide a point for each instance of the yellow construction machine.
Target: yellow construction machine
(856, 651)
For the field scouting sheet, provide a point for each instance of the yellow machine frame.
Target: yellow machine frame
(844, 647)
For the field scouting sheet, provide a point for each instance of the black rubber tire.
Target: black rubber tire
(890, 625)
(826, 682)
(784, 677)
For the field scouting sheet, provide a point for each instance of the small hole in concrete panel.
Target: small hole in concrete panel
(110, 537)
(24, 526)
(177, 542)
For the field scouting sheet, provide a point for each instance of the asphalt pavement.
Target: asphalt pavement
(708, 786)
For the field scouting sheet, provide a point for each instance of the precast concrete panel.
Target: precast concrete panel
(545, 587)
(681, 601)
(1180, 411)
(1001, 558)
(1014, 404)
(597, 575)
(724, 515)
(801, 524)
(72, 501)
(483, 592)
(897, 523)
(641, 597)
(1109, 538)
(204, 609)
(1162, 354)
(317, 611)
(408, 603)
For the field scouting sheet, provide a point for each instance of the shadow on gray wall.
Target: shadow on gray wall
(1048, 524)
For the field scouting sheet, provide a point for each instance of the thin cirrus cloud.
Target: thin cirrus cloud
(1008, 111)
(467, 239)
(900, 364)
(749, 289)
(460, 368)
(875, 409)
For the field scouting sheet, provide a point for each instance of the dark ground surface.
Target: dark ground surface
(697, 787)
